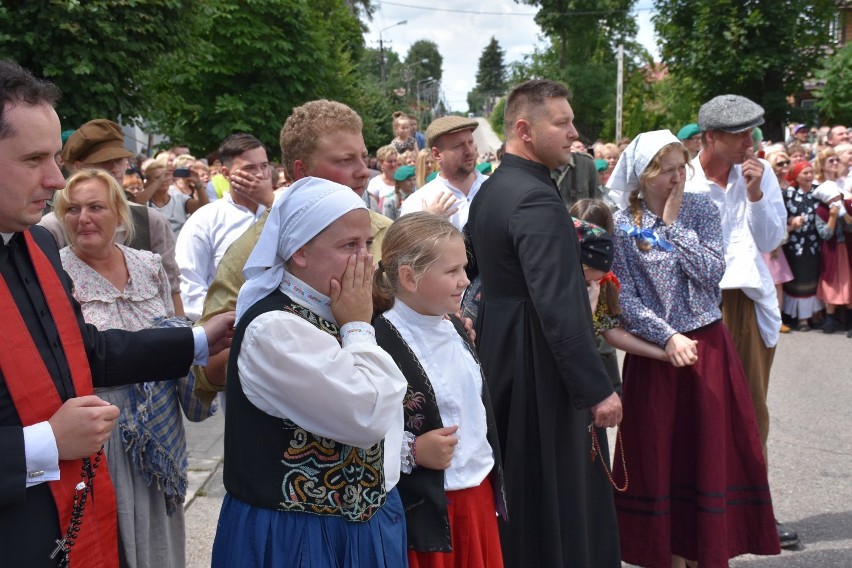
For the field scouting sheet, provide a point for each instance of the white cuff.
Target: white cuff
(202, 352)
(41, 453)
(357, 332)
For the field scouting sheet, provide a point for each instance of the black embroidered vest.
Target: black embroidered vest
(274, 463)
(422, 490)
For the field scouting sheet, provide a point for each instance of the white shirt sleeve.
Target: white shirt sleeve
(290, 369)
(202, 350)
(42, 455)
(767, 218)
(194, 256)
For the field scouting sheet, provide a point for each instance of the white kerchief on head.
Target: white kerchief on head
(633, 161)
(825, 192)
(301, 213)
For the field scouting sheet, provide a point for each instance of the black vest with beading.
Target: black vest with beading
(274, 463)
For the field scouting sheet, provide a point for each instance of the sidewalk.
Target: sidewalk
(205, 443)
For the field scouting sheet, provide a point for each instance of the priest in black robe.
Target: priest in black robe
(537, 346)
(38, 312)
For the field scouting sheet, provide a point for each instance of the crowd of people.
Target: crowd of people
(415, 361)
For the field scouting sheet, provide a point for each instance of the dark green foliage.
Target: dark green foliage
(251, 64)
(94, 50)
(490, 79)
(761, 49)
(835, 98)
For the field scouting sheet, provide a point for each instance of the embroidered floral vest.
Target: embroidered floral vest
(276, 464)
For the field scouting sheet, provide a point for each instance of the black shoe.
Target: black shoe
(789, 538)
(849, 333)
(829, 325)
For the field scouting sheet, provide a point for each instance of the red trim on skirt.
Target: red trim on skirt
(698, 485)
(473, 527)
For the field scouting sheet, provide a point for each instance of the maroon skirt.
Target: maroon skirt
(697, 477)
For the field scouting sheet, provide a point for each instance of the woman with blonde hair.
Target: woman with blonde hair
(383, 185)
(124, 288)
(697, 490)
(425, 165)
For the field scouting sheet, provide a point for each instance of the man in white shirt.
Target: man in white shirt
(450, 139)
(754, 220)
(209, 232)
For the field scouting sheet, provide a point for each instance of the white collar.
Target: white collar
(413, 318)
(7, 237)
(307, 297)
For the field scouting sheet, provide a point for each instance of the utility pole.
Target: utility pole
(382, 50)
(619, 92)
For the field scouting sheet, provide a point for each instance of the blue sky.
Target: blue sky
(462, 29)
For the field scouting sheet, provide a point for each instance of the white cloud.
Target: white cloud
(462, 29)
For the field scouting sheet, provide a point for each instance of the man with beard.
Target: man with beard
(450, 194)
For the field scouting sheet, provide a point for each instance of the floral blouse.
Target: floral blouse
(664, 292)
(145, 297)
(805, 239)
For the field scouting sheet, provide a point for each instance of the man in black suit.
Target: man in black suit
(50, 359)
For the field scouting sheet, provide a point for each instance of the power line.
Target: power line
(525, 14)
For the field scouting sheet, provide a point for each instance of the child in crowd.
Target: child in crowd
(594, 225)
(451, 483)
(404, 186)
(403, 141)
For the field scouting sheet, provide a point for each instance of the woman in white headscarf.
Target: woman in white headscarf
(312, 400)
(697, 478)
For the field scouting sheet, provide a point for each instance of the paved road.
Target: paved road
(810, 457)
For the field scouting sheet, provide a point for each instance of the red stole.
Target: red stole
(36, 400)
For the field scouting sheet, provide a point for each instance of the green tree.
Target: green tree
(580, 33)
(490, 79)
(581, 53)
(834, 100)
(94, 50)
(761, 49)
(251, 64)
(425, 50)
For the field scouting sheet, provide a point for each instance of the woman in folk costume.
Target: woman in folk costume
(697, 488)
(314, 423)
(452, 482)
(124, 288)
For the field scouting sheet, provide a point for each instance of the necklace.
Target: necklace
(81, 494)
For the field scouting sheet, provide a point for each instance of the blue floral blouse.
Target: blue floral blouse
(664, 292)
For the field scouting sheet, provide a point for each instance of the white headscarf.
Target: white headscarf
(301, 213)
(633, 161)
(825, 192)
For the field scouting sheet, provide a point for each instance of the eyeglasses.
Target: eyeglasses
(782, 163)
(832, 160)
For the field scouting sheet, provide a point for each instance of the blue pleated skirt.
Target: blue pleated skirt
(252, 537)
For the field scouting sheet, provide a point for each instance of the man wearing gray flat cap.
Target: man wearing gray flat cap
(754, 221)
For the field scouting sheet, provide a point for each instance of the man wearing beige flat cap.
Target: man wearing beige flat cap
(99, 144)
(450, 139)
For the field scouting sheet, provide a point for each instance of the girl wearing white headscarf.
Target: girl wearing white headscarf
(312, 400)
(697, 478)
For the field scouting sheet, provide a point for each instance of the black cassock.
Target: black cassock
(28, 518)
(539, 355)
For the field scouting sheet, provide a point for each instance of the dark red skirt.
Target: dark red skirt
(473, 528)
(698, 485)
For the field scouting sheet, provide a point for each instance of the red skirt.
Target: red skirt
(473, 529)
(698, 485)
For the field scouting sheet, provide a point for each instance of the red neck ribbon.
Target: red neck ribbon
(36, 400)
